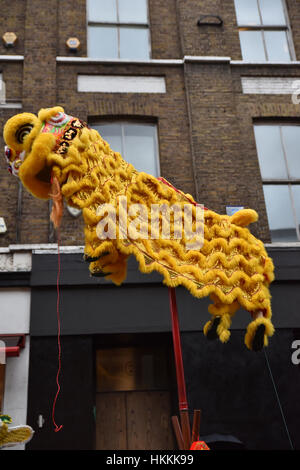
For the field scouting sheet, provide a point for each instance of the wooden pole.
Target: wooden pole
(196, 426)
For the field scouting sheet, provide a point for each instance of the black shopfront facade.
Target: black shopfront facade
(117, 366)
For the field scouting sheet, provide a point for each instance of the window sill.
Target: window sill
(92, 60)
(11, 105)
(186, 59)
(11, 58)
(264, 64)
(288, 245)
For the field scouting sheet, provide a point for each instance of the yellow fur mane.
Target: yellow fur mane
(232, 267)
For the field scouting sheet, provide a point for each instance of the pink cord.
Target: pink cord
(57, 428)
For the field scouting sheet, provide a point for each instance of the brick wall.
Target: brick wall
(12, 20)
(205, 123)
(168, 110)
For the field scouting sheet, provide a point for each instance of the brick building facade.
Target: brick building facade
(205, 125)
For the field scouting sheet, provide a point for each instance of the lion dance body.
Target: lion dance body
(57, 153)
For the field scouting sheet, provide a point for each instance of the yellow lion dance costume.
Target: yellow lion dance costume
(55, 154)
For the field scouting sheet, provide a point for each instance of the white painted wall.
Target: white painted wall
(121, 84)
(16, 389)
(14, 319)
(14, 311)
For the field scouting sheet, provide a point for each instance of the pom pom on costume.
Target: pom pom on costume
(232, 266)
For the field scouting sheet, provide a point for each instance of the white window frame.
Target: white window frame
(289, 181)
(275, 27)
(124, 122)
(119, 25)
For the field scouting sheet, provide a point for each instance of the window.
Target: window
(118, 29)
(279, 160)
(2, 90)
(264, 30)
(136, 142)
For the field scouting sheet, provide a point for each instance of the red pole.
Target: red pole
(183, 405)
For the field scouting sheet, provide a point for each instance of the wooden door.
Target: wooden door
(111, 430)
(149, 421)
(133, 403)
(134, 421)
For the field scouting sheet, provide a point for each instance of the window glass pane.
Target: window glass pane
(112, 133)
(270, 152)
(291, 141)
(277, 46)
(247, 12)
(252, 46)
(102, 42)
(296, 198)
(140, 147)
(280, 214)
(102, 10)
(133, 11)
(272, 12)
(134, 43)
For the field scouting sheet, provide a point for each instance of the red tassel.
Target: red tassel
(55, 217)
(57, 428)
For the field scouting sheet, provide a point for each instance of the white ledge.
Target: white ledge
(187, 58)
(12, 58)
(264, 64)
(10, 105)
(205, 59)
(283, 245)
(62, 249)
(92, 60)
(46, 248)
(42, 248)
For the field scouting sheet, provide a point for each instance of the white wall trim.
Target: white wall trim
(46, 248)
(11, 58)
(92, 60)
(265, 64)
(11, 105)
(187, 58)
(205, 59)
(283, 245)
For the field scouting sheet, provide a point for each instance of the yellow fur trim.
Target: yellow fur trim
(252, 327)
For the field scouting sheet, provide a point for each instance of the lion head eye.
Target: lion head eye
(23, 131)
